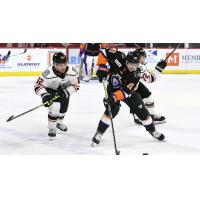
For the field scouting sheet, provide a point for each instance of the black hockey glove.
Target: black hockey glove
(161, 65)
(102, 72)
(138, 73)
(62, 93)
(108, 101)
(47, 99)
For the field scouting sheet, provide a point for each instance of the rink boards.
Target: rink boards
(35, 60)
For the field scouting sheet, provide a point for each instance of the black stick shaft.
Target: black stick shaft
(14, 117)
(11, 118)
(172, 51)
(117, 152)
(17, 54)
(113, 130)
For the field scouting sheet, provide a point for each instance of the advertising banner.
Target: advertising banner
(33, 62)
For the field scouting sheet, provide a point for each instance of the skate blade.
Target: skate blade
(51, 138)
(93, 144)
(62, 133)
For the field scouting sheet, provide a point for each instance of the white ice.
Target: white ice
(176, 96)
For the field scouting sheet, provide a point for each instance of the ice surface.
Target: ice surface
(176, 96)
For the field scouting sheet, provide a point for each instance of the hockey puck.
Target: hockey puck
(145, 154)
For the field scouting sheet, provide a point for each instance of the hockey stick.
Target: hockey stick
(14, 117)
(117, 152)
(5, 58)
(173, 51)
(92, 68)
(137, 45)
(17, 54)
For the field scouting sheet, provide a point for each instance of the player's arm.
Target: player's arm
(152, 76)
(110, 53)
(74, 84)
(40, 85)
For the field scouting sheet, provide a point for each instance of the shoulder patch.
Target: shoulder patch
(46, 72)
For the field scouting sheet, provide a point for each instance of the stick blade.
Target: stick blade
(117, 152)
(9, 52)
(10, 118)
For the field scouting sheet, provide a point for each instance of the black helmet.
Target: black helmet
(132, 57)
(141, 52)
(59, 58)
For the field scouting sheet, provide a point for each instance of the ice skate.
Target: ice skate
(62, 127)
(96, 139)
(86, 78)
(52, 133)
(157, 135)
(158, 119)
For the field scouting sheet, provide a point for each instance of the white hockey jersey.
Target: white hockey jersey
(149, 76)
(49, 79)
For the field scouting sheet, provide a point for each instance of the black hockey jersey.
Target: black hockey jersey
(120, 77)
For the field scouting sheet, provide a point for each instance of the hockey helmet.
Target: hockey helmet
(59, 58)
(132, 57)
(141, 52)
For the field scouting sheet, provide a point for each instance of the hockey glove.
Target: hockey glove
(102, 72)
(161, 65)
(107, 101)
(47, 99)
(119, 95)
(138, 73)
(62, 93)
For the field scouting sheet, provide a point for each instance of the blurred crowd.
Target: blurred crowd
(65, 45)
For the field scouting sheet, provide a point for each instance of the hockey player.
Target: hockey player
(124, 76)
(60, 80)
(148, 76)
(89, 53)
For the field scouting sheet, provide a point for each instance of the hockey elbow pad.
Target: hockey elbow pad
(119, 95)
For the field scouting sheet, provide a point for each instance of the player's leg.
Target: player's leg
(87, 65)
(148, 99)
(57, 113)
(53, 118)
(104, 123)
(138, 107)
(53, 114)
(94, 65)
(157, 119)
(64, 103)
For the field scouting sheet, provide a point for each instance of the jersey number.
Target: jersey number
(39, 81)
